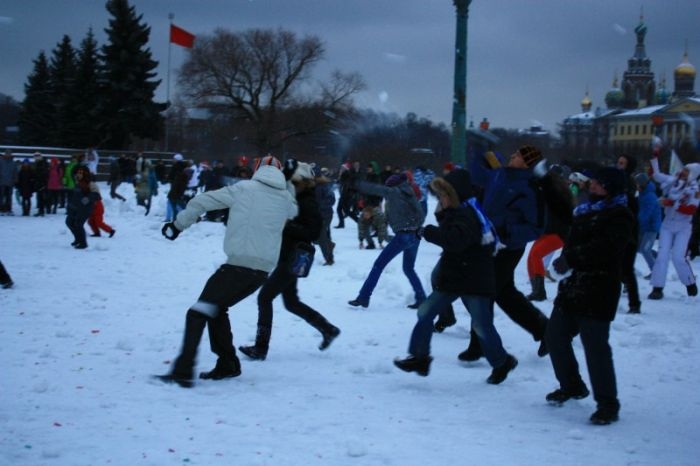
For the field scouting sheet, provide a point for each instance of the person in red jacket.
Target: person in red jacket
(96, 220)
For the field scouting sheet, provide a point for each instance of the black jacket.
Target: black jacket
(306, 226)
(594, 251)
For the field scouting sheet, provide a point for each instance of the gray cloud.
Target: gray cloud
(526, 60)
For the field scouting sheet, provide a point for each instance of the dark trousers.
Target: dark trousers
(225, 288)
(5, 198)
(283, 282)
(42, 200)
(4, 276)
(629, 279)
(324, 240)
(561, 330)
(75, 225)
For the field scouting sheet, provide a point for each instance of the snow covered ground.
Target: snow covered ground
(82, 332)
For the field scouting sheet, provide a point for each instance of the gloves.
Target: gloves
(290, 166)
(170, 231)
(560, 265)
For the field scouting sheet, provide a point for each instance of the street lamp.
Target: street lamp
(459, 98)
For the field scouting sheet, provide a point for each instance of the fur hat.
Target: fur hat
(304, 171)
(610, 178)
(267, 160)
(531, 155)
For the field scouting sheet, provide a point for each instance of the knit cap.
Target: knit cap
(531, 155)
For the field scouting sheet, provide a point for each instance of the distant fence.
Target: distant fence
(22, 152)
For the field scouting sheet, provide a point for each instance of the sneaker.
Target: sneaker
(605, 415)
(499, 374)
(471, 354)
(222, 372)
(80, 246)
(359, 302)
(419, 365)
(656, 293)
(96, 235)
(171, 378)
(111, 233)
(560, 396)
(328, 337)
(254, 352)
(692, 289)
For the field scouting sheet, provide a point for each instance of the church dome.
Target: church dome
(685, 68)
(615, 97)
(662, 96)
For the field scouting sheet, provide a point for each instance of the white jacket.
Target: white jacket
(683, 193)
(258, 210)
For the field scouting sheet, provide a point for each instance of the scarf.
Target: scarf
(488, 231)
(597, 206)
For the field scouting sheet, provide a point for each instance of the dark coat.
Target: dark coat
(81, 201)
(305, 227)
(325, 197)
(594, 250)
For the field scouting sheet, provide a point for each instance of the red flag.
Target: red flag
(181, 37)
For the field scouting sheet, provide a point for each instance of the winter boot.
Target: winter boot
(418, 364)
(499, 374)
(473, 351)
(692, 289)
(195, 322)
(446, 319)
(359, 302)
(330, 333)
(223, 370)
(606, 414)
(656, 293)
(560, 396)
(262, 342)
(538, 291)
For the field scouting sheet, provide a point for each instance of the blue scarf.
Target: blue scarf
(488, 231)
(588, 207)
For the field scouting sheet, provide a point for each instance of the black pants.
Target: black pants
(561, 330)
(629, 279)
(324, 240)
(225, 288)
(282, 281)
(76, 226)
(4, 276)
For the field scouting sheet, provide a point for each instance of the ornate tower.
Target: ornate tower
(684, 78)
(638, 83)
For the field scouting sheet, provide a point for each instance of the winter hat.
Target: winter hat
(304, 171)
(612, 179)
(178, 157)
(395, 179)
(461, 181)
(693, 171)
(267, 160)
(642, 179)
(325, 171)
(448, 167)
(243, 160)
(530, 154)
(578, 177)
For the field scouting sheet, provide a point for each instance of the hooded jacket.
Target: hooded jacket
(403, 211)
(258, 211)
(682, 194)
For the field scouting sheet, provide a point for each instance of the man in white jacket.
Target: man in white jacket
(258, 211)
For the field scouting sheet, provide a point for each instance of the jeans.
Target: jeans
(646, 243)
(481, 312)
(403, 242)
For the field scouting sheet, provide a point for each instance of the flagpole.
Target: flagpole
(167, 87)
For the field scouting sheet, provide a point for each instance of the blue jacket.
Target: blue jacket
(510, 202)
(649, 215)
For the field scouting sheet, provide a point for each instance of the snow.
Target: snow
(82, 332)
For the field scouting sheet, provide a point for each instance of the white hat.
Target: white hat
(303, 171)
(578, 177)
(693, 171)
(178, 157)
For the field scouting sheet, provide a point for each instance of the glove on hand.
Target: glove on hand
(560, 265)
(290, 166)
(170, 231)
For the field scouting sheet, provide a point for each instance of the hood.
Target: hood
(693, 171)
(271, 176)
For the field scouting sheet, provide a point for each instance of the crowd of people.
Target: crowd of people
(584, 229)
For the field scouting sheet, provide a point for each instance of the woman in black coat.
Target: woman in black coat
(304, 228)
(465, 271)
(587, 299)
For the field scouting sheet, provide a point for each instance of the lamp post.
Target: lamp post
(459, 98)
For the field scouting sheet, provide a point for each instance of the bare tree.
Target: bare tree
(264, 78)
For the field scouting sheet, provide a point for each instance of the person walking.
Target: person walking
(649, 218)
(54, 186)
(405, 216)
(465, 270)
(259, 208)
(304, 228)
(8, 179)
(325, 197)
(587, 299)
(96, 220)
(79, 206)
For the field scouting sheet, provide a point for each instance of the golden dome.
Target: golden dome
(685, 68)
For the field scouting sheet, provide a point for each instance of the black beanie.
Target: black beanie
(461, 182)
(612, 179)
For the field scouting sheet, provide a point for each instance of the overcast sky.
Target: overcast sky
(528, 61)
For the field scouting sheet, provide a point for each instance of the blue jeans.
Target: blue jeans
(646, 242)
(403, 242)
(479, 308)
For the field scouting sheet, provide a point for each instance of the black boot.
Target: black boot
(446, 319)
(418, 364)
(538, 291)
(499, 374)
(223, 370)
(473, 351)
(329, 333)
(195, 322)
(262, 342)
(656, 293)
